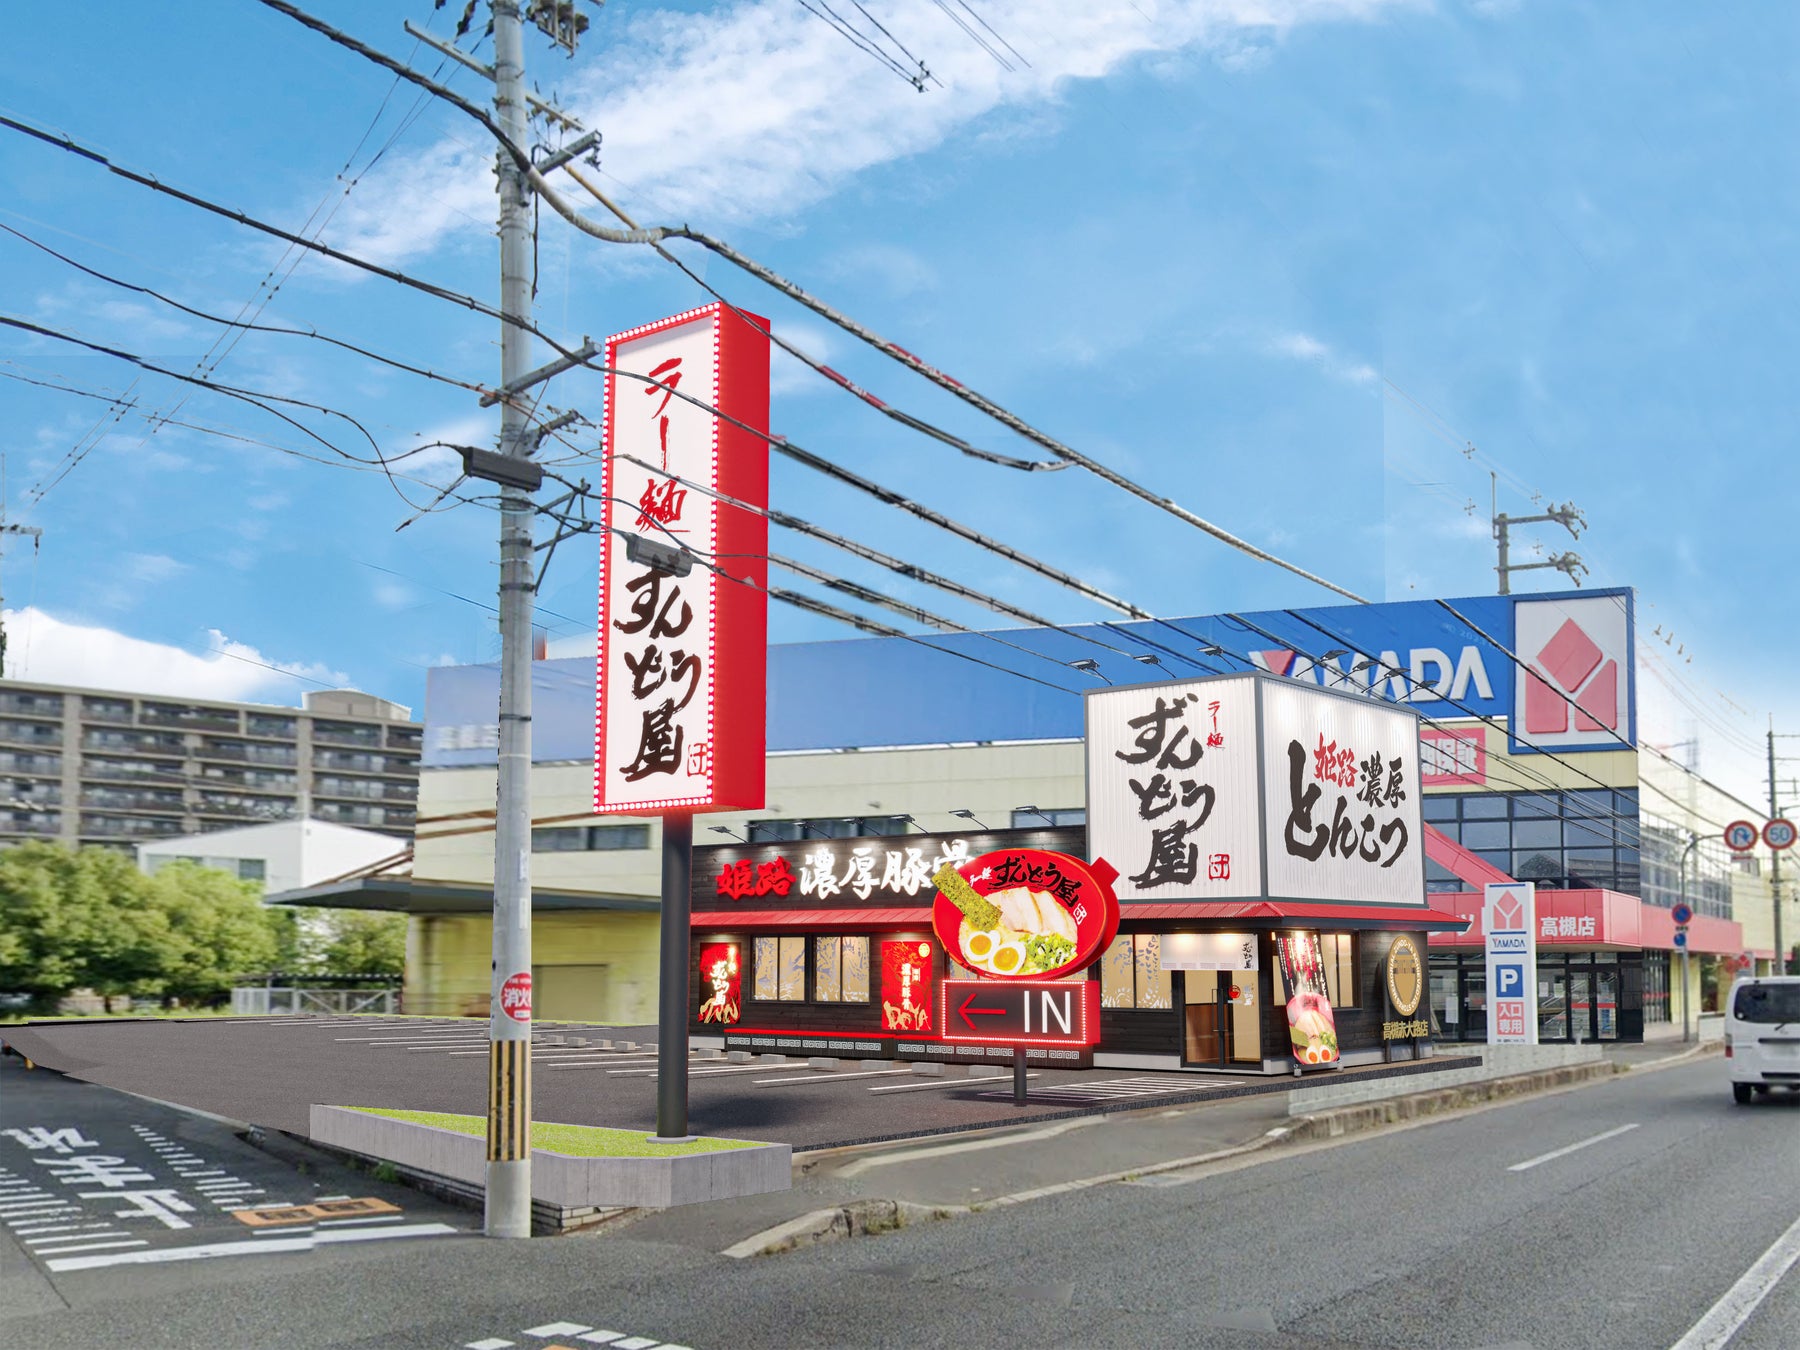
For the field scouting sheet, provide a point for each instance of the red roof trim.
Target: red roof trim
(1269, 912)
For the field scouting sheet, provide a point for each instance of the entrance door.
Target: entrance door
(1553, 1006)
(1203, 1021)
(1606, 1003)
(1581, 1002)
(1475, 1009)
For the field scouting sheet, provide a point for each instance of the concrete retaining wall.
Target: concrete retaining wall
(557, 1178)
(1498, 1061)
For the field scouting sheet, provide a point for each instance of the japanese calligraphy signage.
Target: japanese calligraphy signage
(721, 983)
(1509, 919)
(906, 985)
(682, 659)
(1171, 788)
(1022, 913)
(1250, 786)
(1341, 794)
(1312, 1027)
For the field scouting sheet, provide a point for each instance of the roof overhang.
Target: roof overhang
(1244, 913)
(406, 895)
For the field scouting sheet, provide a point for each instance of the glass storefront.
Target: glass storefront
(1581, 996)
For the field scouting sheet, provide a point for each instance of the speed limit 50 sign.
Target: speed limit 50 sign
(1778, 833)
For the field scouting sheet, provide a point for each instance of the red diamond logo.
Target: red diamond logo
(1277, 662)
(1570, 656)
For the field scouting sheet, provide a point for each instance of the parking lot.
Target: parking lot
(270, 1071)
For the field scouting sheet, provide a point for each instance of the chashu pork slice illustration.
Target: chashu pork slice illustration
(1033, 913)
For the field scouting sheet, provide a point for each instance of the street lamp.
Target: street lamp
(1692, 843)
(1089, 666)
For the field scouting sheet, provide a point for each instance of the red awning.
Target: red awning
(1595, 919)
(1259, 913)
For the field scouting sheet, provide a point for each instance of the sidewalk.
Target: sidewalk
(983, 1167)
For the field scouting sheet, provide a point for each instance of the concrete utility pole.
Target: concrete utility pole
(1568, 515)
(508, 1211)
(1781, 961)
(36, 535)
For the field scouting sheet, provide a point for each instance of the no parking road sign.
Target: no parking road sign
(1682, 913)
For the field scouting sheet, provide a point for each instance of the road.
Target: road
(1616, 1215)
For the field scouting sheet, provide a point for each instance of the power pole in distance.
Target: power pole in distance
(1568, 515)
(36, 536)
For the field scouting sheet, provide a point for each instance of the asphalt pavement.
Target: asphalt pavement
(1627, 1213)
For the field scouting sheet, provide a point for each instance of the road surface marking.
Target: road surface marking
(91, 1247)
(1725, 1317)
(488, 1343)
(558, 1329)
(160, 1255)
(941, 1083)
(103, 1232)
(824, 1076)
(1567, 1149)
(968, 1146)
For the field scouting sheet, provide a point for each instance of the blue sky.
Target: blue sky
(1286, 261)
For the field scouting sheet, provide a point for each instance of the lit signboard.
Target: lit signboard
(682, 659)
(1024, 1012)
(1023, 913)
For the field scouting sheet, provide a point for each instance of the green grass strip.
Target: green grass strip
(575, 1141)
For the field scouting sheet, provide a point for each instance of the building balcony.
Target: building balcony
(132, 770)
(235, 807)
(121, 799)
(135, 743)
(346, 733)
(187, 719)
(48, 766)
(128, 827)
(36, 825)
(113, 710)
(31, 705)
(31, 733)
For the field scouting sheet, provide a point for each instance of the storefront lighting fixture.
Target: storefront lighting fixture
(1149, 659)
(1333, 654)
(720, 829)
(969, 816)
(1088, 666)
(1033, 811)
(1210, 649)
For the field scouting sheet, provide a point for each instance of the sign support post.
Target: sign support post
(672, 979)
(1019, 1075)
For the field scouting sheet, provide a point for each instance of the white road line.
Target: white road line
(829, 1076)
(1566, 1150)
(56, 1228)
(210, 1172)
(19, 1211)
(941, 1083)
(376, 1218)
(603, 1058)
(102, 1232)
(970, 1146)
(92, 1247)
(1725, 1317)
(159, 1255)
(282, 1232)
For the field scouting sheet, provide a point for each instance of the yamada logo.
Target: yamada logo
(1574, 692)
(1429, 673)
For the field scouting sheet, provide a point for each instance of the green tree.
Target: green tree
(75, 919)
(214, 930)
(358, 942)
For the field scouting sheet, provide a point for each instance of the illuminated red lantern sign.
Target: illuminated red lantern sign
(906, 985)
(1025, 913)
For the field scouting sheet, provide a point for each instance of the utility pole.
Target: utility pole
(1568, 515)
(508, 1201)
(1781, 961)
(36, 536)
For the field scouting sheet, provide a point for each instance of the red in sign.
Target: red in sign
(515, 996)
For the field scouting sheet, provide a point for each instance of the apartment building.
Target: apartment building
(91, 766)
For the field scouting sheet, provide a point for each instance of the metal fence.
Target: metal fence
(262, 1001)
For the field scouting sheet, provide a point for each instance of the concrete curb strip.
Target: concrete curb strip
(879, 1216)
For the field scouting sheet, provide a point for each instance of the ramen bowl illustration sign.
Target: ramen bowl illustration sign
(1025, 914)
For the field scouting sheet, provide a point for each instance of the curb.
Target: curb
(862, 1217)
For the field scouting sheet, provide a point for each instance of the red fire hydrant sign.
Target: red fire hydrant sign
(515, 996)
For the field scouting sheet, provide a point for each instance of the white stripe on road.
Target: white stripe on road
(970, 1146)
(1565, 1151)
(97, 1231)
(298, 1244)
(90, 1247)
(942, 1083)
(378, 1218)
(828, 1076)
(1725, 1317)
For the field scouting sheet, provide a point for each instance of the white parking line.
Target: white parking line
(1723, 1319)
(93, 1247)
(1567, 1149)
(159, 1255)
(942, 1083)
(827, 1076)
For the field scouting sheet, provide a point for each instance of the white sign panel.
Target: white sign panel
(1171, 789)
(1341, 787)
(1574, 690)
(1509, 920)
(1209, 951)
(656, 650)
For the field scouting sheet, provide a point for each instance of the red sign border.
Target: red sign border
(1097, 876)
(1090, 1015)
(1768, 825)
(1749, 825)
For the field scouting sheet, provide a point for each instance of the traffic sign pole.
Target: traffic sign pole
(1019, 1075)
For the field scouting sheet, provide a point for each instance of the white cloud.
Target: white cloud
(790, 375)
(48, 650)
(392, 594)
(153, 567)
(1306, 347)
(758, 109)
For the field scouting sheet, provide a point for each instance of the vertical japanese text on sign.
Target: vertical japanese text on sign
(681, 668)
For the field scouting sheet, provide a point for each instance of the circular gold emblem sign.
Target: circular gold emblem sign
(1405, 981)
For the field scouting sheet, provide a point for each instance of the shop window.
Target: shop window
(1486, 834)
(1038, 820)
(1337, 953)
(1438, 807)
(779, 973)
(1131, 973)
(1484, 806)
(1537, 834)
(1541, 805)
(1588, 802)
(826, 827)
(252, 869)
(590, 839)
(1537, 865)
(841, 969)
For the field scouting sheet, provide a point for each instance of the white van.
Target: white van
(1762, 1035)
